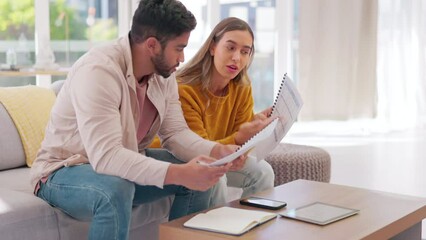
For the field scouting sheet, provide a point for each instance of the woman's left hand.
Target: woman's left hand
(238, 163)
(219, 151)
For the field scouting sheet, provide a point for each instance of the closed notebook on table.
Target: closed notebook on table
(233, 221)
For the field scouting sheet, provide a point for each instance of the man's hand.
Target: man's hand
(249, 129)
(195, 175)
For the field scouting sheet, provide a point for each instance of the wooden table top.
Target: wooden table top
(382, 215)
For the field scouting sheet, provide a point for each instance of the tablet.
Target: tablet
(319, 213)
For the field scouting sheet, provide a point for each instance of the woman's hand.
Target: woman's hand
(219, 151)
(249, 129)
(264, 114)
(238, 163)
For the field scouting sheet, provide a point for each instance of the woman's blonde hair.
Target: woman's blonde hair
(198, 69)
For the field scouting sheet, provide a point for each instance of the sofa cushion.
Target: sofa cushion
(24, 216)
(12, 154)
(56, 86)
(11, 149)
(17, 179)
(29, 108)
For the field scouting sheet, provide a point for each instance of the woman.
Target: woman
(217, 101)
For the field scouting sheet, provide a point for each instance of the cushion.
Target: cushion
(24, 216)
(17, 179)
(29, 108)
(56, 86)
(292, 161)
(12, 153)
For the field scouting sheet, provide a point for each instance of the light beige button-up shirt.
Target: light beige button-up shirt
(95, 116)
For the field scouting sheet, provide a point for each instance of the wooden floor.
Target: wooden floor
(364, 156)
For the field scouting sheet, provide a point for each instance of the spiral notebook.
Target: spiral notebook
(286, 107)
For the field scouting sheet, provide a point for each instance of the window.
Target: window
(17, 34)
(260, 15)
(77, 25)
(201, 31)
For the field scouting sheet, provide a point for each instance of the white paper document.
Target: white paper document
(249, 145)
(286, 107)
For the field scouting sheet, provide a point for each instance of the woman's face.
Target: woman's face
(232, 53)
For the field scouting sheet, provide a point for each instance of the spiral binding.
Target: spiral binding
(248, 140)
(273, 108)
(278, 94)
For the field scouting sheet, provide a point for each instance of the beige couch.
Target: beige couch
(25, 216)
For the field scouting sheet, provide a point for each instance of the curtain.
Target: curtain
(401, 61)
(337, 59)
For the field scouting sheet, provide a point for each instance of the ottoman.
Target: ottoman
(291, 162)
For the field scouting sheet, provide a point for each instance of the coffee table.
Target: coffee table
(382, 215)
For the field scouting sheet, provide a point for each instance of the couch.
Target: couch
(25, 216)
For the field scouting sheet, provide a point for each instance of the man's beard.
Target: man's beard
(161, 66)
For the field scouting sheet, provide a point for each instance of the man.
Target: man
(115, 100)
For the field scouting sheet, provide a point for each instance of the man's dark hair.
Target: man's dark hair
(162, 19)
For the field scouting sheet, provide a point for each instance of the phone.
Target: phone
(263, 203)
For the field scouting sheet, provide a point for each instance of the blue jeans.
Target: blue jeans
(107, 200)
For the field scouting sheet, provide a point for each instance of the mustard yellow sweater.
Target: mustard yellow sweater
(220, 119)
(213, 117)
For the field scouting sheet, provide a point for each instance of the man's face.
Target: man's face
(166, 62)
